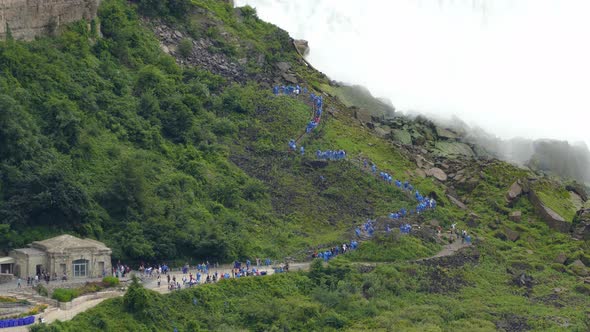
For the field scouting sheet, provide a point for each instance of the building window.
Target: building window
(80, 268)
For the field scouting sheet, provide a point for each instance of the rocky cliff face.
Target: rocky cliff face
(27, 19)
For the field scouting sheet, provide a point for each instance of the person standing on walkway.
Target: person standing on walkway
(18, 283)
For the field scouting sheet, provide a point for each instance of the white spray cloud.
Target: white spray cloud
(512, 67)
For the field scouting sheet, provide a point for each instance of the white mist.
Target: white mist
(511, 67)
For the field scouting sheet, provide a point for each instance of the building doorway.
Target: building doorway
(101, 270)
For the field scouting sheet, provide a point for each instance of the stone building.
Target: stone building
(77, 258)
(27, 19)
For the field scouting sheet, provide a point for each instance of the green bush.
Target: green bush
(65, 294)
(41, 290)
(185, 47)
(110, 281)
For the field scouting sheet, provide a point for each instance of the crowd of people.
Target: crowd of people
(288, 90)
(331, 154)
(330, 253)
(318, 103)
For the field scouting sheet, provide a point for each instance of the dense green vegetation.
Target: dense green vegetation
(109, 138)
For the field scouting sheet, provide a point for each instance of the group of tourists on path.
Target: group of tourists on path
(331, 155)
(317, 102)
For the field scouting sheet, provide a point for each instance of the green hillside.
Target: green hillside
(128, 137)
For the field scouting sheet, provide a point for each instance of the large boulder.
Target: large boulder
(383, 131)
(437, 173)
(514, 192)
(402, 136)
(453, 149)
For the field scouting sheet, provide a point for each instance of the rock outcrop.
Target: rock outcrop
(514, 192)
(302, 46)
(552, 218)
(582, 225)
(31, 18)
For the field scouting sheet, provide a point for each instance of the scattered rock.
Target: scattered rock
(291, 78)
(557, 290)
(578, 263)
(457, 202)
(362, 115)
(578, 268)
(420, 172)
(511, 234)
(434, 223)
(445, 133)
(579, 190)
(283, 66)
(402, 136)
(561, 258)
(524, 279)
(582, 225)
(512, 323)
(515, 216)
(165, 48)
(383, 132)
(437, 173)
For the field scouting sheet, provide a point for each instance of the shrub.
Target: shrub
(65, 294)
(41, 290)
(110, 281)
(185, 47)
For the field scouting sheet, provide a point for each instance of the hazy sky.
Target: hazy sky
(512, 67)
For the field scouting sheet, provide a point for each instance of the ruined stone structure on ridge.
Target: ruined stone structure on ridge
(27, 19)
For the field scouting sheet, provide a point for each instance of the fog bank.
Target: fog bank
(512, 67)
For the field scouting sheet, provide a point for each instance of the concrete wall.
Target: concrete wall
(26, 266)
(29, 18)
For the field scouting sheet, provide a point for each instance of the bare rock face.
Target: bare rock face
(31, 18)
(582, 225)
(552, 218)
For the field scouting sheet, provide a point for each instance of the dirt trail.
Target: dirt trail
(449, 249)
(53, 314)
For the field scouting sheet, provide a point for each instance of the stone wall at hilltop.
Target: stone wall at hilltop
(27, 19)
